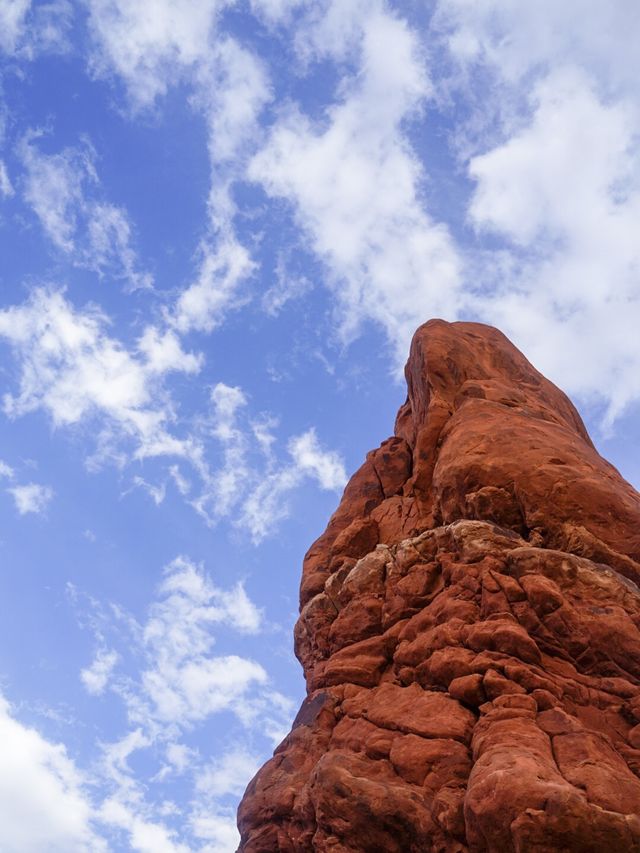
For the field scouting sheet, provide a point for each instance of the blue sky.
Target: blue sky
(221, 223)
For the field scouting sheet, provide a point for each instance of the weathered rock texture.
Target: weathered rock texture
(469, 631)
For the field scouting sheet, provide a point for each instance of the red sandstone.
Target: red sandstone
(469, 631)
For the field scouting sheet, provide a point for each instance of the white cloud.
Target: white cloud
(63, 190)
(266, 504)
(163, 352)
(150, 45)
(288, 286)
(145, 836)
(557, 178)
(227, 400)
(189, 602)
(6, 187)
(185, 683)
(203, 305)
(43, 801)
(228, 774)
(71, 368)
(515, 38)
(170, 682)
(193, 689)
(217, 827)
(156, 493)
(109, 238)
(573, 299)
(12, 17)
(116, 758)
(230, 90)
(180, 756)
(182, 483)
(96, 677)
(6, 470)
(153, 47)
(333, 29)
(356, 185)
(274, 11)
(31, 498)
(564, 174)
(28, 29)
(53, 188)
(252, 483)
(181, 682)
(324, 466)
(43, 796)
(225, 486)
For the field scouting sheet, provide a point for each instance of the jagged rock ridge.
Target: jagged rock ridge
(469, 631)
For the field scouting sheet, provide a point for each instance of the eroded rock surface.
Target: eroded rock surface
(469, 631)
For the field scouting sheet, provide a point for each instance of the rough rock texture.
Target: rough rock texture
(469, 631)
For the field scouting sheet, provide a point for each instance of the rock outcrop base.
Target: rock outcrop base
(469, 631)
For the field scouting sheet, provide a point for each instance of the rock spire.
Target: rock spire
(469, 631)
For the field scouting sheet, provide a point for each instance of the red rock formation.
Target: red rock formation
(469, 631)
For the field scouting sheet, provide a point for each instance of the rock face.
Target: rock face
(469, 631)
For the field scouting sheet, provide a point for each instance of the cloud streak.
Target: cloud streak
(167, 674)
(72, 368)
(355, 184)
(63, 191)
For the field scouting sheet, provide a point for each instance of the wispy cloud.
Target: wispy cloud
(355, 183)
(223, 267)
(28, 29)
(171, 681)
(152, 50)
(180, 681)
(96, 677)
(12, 17)
(6, 187)
(225, 775)
(64, 192)
(230, 90)
(254, 482)
(70, 367)
(309, 458)
(6, 470)
(185, 683)
(31, 498)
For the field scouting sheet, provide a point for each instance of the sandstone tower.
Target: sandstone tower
(469, 631)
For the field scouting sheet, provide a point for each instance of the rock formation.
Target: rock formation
(469, 631)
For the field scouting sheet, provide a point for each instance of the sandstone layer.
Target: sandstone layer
(469, 631)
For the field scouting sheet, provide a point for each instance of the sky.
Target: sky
(220, 224)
